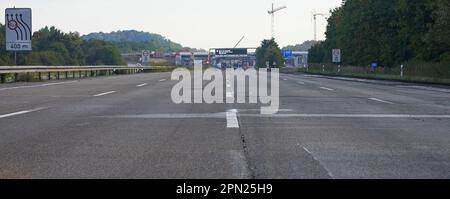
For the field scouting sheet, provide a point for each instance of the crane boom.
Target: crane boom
(277, 9)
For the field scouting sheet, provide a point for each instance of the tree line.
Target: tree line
(129, 41)
(52, 47)
(389, 32)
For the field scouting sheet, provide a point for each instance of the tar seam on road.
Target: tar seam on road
(250, 169)
(21, 112)
(106, 93)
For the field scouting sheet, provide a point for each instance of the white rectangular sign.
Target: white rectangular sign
(336, 55)
(145, 56)
(18, 29)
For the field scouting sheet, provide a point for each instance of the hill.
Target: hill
(305, 46)
(135, 41)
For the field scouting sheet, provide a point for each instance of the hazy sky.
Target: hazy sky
(193, 23)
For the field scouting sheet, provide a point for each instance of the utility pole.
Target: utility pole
(272, 13)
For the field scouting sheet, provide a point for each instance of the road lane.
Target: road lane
(139, 133)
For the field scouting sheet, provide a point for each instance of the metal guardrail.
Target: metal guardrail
(67, 71)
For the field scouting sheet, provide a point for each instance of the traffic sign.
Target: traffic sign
(287, 54)
(18, 29)
(231, 51)
(336, 55)
(145, 56)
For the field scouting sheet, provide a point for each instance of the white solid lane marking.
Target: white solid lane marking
(162, 80)
(399, 116)
(328, 89)
(141, 85)
(106, 93)
(320, 162)
(36, 86)
(379, 100)
(232, 121)
(21, 112)
(302, 83)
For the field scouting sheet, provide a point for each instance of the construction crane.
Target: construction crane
(242, 38)
(315, 22)
(272, 12)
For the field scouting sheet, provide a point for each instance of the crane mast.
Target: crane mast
(272, 13)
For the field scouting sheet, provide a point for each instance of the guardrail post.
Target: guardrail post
(49, 76)
(16, 77)
(3, 78)
(401, 70)
(40, 77)
(66, 75)
(57, 75)
(73, 74)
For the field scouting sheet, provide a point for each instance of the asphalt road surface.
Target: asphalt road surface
(127, 127)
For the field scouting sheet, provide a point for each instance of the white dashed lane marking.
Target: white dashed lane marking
(21, 112)
(106, 93)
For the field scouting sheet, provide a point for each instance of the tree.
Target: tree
(101, 53)
(4, 56)
(51, 47)
(269, 51)
(389, 32)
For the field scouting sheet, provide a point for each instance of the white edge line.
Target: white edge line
(21, 112)
(320, 162)
(106, 93)
(37, 86)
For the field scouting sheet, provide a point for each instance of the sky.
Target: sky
(194, 23)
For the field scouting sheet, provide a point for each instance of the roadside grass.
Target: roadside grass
(434, 73)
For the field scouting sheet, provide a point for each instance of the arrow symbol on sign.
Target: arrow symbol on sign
(27, 26)
(20, 28)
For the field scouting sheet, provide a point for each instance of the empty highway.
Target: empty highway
(128, 127)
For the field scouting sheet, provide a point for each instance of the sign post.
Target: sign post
(18, 32)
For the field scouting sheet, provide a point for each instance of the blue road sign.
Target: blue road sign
(287, 54)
